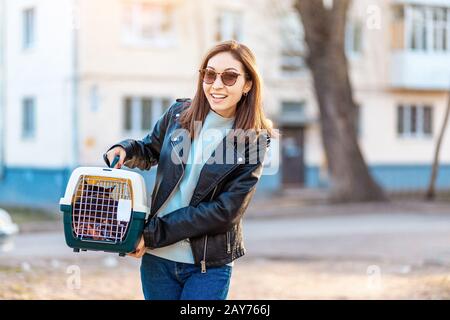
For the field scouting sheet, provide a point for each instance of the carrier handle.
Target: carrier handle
(116, 159)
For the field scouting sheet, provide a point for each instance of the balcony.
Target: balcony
(420, 70)
(420, 42)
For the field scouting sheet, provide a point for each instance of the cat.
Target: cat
(95, 214)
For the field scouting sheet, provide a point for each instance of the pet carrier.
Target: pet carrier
(104, 210)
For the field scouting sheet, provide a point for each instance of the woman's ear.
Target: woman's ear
(248, 85)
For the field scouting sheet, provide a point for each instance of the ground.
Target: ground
(252, 279)
(399, 250)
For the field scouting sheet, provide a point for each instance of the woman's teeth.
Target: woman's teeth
(218, 96)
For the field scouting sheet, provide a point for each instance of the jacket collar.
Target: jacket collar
(211, 173)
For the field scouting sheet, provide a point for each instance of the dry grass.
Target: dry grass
(252, 279)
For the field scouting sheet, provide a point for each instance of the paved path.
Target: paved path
(407, 238)
(400, 237)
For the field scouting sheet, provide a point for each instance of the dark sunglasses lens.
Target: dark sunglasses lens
(229, 78)
(209, 76)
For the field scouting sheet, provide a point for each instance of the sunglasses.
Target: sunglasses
(229, 78)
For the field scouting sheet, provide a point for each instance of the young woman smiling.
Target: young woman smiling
(194, 232)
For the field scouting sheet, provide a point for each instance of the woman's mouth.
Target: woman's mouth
(218, 98)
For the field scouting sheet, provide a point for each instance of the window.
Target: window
(358, 120)
(28, 118)
(353, 37)
(94, 98)
(292, 47)
(427, 28)
(398, 27)
(229, 26)
(293, 112)
(150, 24)
(141, 113)
(427, 120)
(418, 35)
(146, 119)
(293, 108)
(440, 30)
(28, 33)
(128, 109)
(414, 121)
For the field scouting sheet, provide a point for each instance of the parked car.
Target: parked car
(7, 226)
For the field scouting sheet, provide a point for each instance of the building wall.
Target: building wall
(380, 141)
(2, 84)
(44, 73)
(110, 69)
(395, 161)
(371, 74)
(36, 167)
(118, 70)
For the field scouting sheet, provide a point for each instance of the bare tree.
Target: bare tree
(431, 192)
(324, 28)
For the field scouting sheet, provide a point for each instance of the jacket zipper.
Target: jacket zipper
(228, 242)
(203, 262)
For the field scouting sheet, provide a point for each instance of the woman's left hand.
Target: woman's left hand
(140, 249)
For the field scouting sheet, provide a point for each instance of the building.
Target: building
(2, 84)
(402, 79)
(83, 75)
(399, 57)
(38, 100)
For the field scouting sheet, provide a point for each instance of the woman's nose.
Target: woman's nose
(218, 82)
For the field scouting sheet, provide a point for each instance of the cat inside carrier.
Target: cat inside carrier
(104, 210)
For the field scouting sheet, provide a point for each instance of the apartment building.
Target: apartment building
(2, 84)
(82, 75)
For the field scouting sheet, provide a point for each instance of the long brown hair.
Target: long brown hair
(249, 110)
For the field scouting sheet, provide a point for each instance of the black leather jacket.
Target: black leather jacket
(212, 221)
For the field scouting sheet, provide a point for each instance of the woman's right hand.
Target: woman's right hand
(117, 151)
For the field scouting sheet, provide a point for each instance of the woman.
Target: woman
(205, 178)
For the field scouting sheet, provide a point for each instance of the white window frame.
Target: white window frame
(291, 42)
(157, 110)
(448, 29)
(28, 133)
(429, 26)
(439, 30)
(28, 28)
(407, 27)
(411, 30)
(420, 121)
(230, 22)
(417, 26)
(132, 35)
(350, 28)
(94, 98)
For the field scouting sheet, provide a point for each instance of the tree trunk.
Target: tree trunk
(431, 192)
(324, 34)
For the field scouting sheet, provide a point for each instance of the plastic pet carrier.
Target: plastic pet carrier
(104, 210)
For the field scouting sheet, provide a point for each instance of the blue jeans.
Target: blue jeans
(164, 279)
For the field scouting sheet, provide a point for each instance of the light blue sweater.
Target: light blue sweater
(212, 133)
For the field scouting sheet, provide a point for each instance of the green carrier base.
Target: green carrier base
(127, 245)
